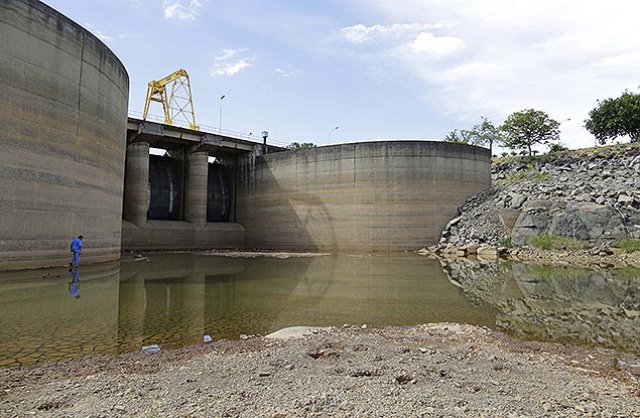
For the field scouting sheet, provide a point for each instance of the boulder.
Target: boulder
(517, 200)
(588, 221)
(625, 199)
(533, 220)
(471, 248)
(487, 253)
(452, 222)
(508, 217)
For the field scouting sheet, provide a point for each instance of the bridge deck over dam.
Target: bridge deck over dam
(162, 136)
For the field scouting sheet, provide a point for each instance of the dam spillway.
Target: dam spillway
(72, 163)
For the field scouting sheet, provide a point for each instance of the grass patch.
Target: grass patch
(556, 242)
(506, 242)
(628, 245)
(525, 175)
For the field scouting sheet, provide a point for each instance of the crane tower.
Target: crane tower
(174, 93)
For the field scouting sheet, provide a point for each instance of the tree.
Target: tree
(303, 145)
(458, 136)
(613, 118)
(485, 133)
(530, 127)
(482, 134)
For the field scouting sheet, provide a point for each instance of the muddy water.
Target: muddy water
(177, 300)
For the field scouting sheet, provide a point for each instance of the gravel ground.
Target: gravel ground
(439, 370)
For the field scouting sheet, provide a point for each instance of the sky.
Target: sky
(334, 71)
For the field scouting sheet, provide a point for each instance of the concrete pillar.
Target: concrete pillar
(136, 183)
(196, 186)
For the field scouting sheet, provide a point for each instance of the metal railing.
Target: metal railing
(211, 129)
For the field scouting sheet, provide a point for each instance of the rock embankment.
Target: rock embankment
(590, 198)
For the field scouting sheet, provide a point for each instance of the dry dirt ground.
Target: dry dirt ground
(439, 370)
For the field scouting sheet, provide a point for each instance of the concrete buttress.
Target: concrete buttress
(136, 178)
(195, 202)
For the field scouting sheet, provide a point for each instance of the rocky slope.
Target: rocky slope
(590, 197)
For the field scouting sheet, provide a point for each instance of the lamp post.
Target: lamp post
(220, 120)
(565, 120)
(265, 134)
(331, 131)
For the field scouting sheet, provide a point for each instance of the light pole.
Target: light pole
(331, 131)
(265, 134)
(220, 125)
(565, 120)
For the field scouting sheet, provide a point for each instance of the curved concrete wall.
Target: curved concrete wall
(63, 116)
(377, 196)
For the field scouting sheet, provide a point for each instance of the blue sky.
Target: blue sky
(378, 69)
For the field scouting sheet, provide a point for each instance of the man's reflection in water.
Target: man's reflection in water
(74, 284)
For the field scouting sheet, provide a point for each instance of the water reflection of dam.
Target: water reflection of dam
(175, 300)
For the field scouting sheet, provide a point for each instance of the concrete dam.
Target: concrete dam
(72, 162)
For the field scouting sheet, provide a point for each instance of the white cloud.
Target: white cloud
(103, 36)
(231, 62)
(502, 56)
(282, 72)
(177, 10)
(360, 34)
(286, 73)
(436, 46)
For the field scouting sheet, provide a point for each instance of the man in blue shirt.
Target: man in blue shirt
(76, 249)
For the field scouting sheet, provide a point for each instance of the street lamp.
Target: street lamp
(331, 131)
(220, 125)
(265, 134)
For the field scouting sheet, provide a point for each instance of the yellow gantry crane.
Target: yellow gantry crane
(176, 100)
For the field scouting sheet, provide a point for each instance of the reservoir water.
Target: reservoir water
(176, 300)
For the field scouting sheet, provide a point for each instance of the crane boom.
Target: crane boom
(177, 103)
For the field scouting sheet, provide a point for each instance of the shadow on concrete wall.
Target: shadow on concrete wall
(365, 197)
(273, 217)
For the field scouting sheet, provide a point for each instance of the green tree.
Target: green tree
(527, 128)
(485, 133)
(303, 145)
(458, 136)
(613, 118)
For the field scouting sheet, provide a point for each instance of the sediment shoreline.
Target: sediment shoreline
(424, 370)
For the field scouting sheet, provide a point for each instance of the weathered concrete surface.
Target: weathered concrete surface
(196, 187)
(177, 235)
(63, 113)
(136, 184)
(377, 196)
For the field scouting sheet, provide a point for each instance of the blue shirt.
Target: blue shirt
(76, 245)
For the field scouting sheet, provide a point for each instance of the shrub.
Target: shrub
(628, 245)
(556, 242)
